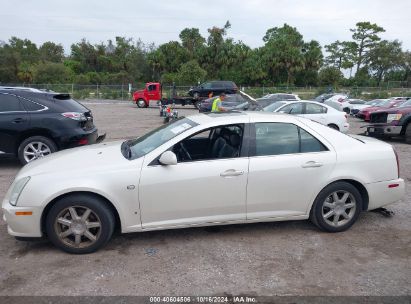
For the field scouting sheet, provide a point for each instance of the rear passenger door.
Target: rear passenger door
(288, 167)
(316, 112)
(13, 121)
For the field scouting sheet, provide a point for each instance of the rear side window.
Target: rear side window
(294, 108)
(309, 143)
(10, 103)
(312, 108)
(284, 138)
(31, 106)
(276, 138)
(64, 103)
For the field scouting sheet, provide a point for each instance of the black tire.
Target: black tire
(333, 126)
(324, 198)
(141, 103)
(407, 133)
(197, 104)
(35, 141)
(99, 210)
(347, 110)
(196, 95)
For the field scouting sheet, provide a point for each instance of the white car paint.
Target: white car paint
(208, 192)
(330, 116)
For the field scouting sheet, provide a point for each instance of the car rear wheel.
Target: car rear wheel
(408, 133)
(197, 105)
(196, 95)
(336, 207)
(80, 224)
(35, 147)
(141, 103)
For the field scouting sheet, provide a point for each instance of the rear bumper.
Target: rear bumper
(383, 129)
(384, 193)
(80, 138)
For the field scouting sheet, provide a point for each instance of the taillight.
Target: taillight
(75, 116)
(398, 161)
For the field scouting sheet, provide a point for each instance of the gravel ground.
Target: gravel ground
(283, 258)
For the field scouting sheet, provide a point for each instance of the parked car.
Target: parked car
(331, 96)
(238, 101)
(358, 107)
(213, 87)
(35, 123)
(388, 104)
(316, 111)
(262, 156)
(350, 103)
(391, 122)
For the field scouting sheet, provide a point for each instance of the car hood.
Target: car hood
(87, 158)
(372, 109)
(396, 110)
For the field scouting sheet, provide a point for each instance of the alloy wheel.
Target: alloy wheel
(339, 208)
(77, 226)
(35, 150)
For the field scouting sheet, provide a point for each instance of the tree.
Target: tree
(341, 54)
(313, 59)
(192, 40)
(190, 73)
(330, 76)
(365, 36)
(51, 72)
(384, 57)
(284, 50)
(49, 51)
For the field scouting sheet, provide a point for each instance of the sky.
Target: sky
(160, 21)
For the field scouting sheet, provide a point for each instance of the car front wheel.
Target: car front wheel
(80, 224)
(35, 147)
(336, 207)
(141, 103)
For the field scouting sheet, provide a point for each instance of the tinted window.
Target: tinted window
(272, 107)
(9, 103)
(309, 143)
(152, 87)
(284, 138)
(295, 108)
(30, 105)
(276, 138)
(312, 108)
(207, 85)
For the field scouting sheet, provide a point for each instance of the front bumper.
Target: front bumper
(384, 193)
(383, 129)
(22, 225)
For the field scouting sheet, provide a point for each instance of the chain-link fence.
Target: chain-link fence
(124, 91)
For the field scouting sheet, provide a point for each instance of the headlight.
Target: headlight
(17, 189)
(392, 117)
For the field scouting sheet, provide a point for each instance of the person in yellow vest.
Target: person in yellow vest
(217, 104)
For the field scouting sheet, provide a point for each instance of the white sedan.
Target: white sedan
(316, 111)
(208, 169)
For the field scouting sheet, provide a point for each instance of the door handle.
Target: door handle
(312, 164)
(231, 173)
(18, 120)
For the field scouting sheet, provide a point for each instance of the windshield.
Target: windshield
(385, 103)
(406, 104)
(138, 147)
(274, 106)
(373, 102)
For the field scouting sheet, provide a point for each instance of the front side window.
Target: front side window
(284, 138)
(213, 143)
(294, 108)
(207, 85)
(9, 103)
(138, 147)
(151, 87)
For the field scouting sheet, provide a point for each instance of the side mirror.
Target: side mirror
(168, 158)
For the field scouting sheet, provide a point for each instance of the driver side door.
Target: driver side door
(194, 192)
